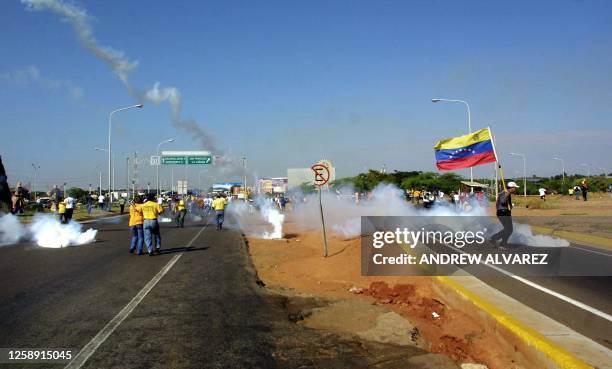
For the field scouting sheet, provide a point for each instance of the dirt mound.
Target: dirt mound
(458, 333)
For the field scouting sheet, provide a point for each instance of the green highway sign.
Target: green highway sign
(187, 159)
(199, 159)
(174, 160)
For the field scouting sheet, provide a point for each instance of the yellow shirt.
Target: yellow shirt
(181, 205)
(61, 208)
(136, 217)
(151, 209)
(219, 204)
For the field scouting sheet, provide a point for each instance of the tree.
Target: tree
(77, 193)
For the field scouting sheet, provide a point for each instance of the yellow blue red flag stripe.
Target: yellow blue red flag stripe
(465, 151)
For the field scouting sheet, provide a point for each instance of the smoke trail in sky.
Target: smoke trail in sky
(122, 66)
(80, 22)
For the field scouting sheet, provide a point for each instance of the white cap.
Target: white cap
(512, 184)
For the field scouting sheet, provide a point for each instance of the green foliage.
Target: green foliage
(433, 181)
(364, 182)
(77, 193)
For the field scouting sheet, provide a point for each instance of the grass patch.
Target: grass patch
(539, 204)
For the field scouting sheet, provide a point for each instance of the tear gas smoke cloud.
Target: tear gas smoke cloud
(343, 215)
(267, 223)
(116, 61)
(11, 230)
(45, 230)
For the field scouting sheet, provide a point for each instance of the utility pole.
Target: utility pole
(36, 168)
(245, 176)
(127, 177)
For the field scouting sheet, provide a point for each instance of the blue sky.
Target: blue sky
(287, 83)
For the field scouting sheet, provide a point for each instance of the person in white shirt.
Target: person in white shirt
(70, 204)
(542, 192)
(101, 202)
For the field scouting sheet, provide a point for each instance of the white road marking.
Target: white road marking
(558, 295)
(592, 251)
(88, 350)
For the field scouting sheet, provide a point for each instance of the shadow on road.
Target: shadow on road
(182, 249)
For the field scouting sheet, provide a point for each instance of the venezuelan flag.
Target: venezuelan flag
(465, 151)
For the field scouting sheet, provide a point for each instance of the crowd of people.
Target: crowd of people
(145, 212)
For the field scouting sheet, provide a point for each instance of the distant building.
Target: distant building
(277, 185)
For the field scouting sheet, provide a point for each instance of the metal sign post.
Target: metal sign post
(321, 177)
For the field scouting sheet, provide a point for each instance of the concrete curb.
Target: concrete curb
(557, 355)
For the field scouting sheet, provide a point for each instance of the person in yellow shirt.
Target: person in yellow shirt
(181, 211)
(219, 204)
(150, 211)
(136, 225)
(61, 211)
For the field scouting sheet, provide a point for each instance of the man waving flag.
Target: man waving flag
(465, 151)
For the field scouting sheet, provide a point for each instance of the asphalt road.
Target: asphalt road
(208, 311)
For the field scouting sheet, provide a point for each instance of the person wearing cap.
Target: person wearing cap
(503, 207)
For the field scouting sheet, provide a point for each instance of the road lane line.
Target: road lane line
(558, 295)
(88, 350)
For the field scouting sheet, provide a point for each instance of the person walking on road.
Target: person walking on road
(101, 202)
(219, 205)
(89, 203)
(70, 203)
(181, 211)
(150, 211)
(584, 188)
(122, 205)
(61, 211)
(503, 206)
(136, 226)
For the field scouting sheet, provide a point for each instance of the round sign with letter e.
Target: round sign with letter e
(321, 174)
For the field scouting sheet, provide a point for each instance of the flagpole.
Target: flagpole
(497, 165)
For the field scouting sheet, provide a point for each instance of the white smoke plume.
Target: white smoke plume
(275, 218)
(11, 230)
(343, 215)
(122, 66)
(45, 231)
(266, 222)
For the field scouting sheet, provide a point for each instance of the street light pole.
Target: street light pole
(110, 124)
(469, 113)
(36, 168)
(158, 145)
(562, 167)
(127, 177)
(524, 172)
(245, 176)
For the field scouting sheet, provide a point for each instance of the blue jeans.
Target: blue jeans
(151, 229)
(220, 216)
(137, 238)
